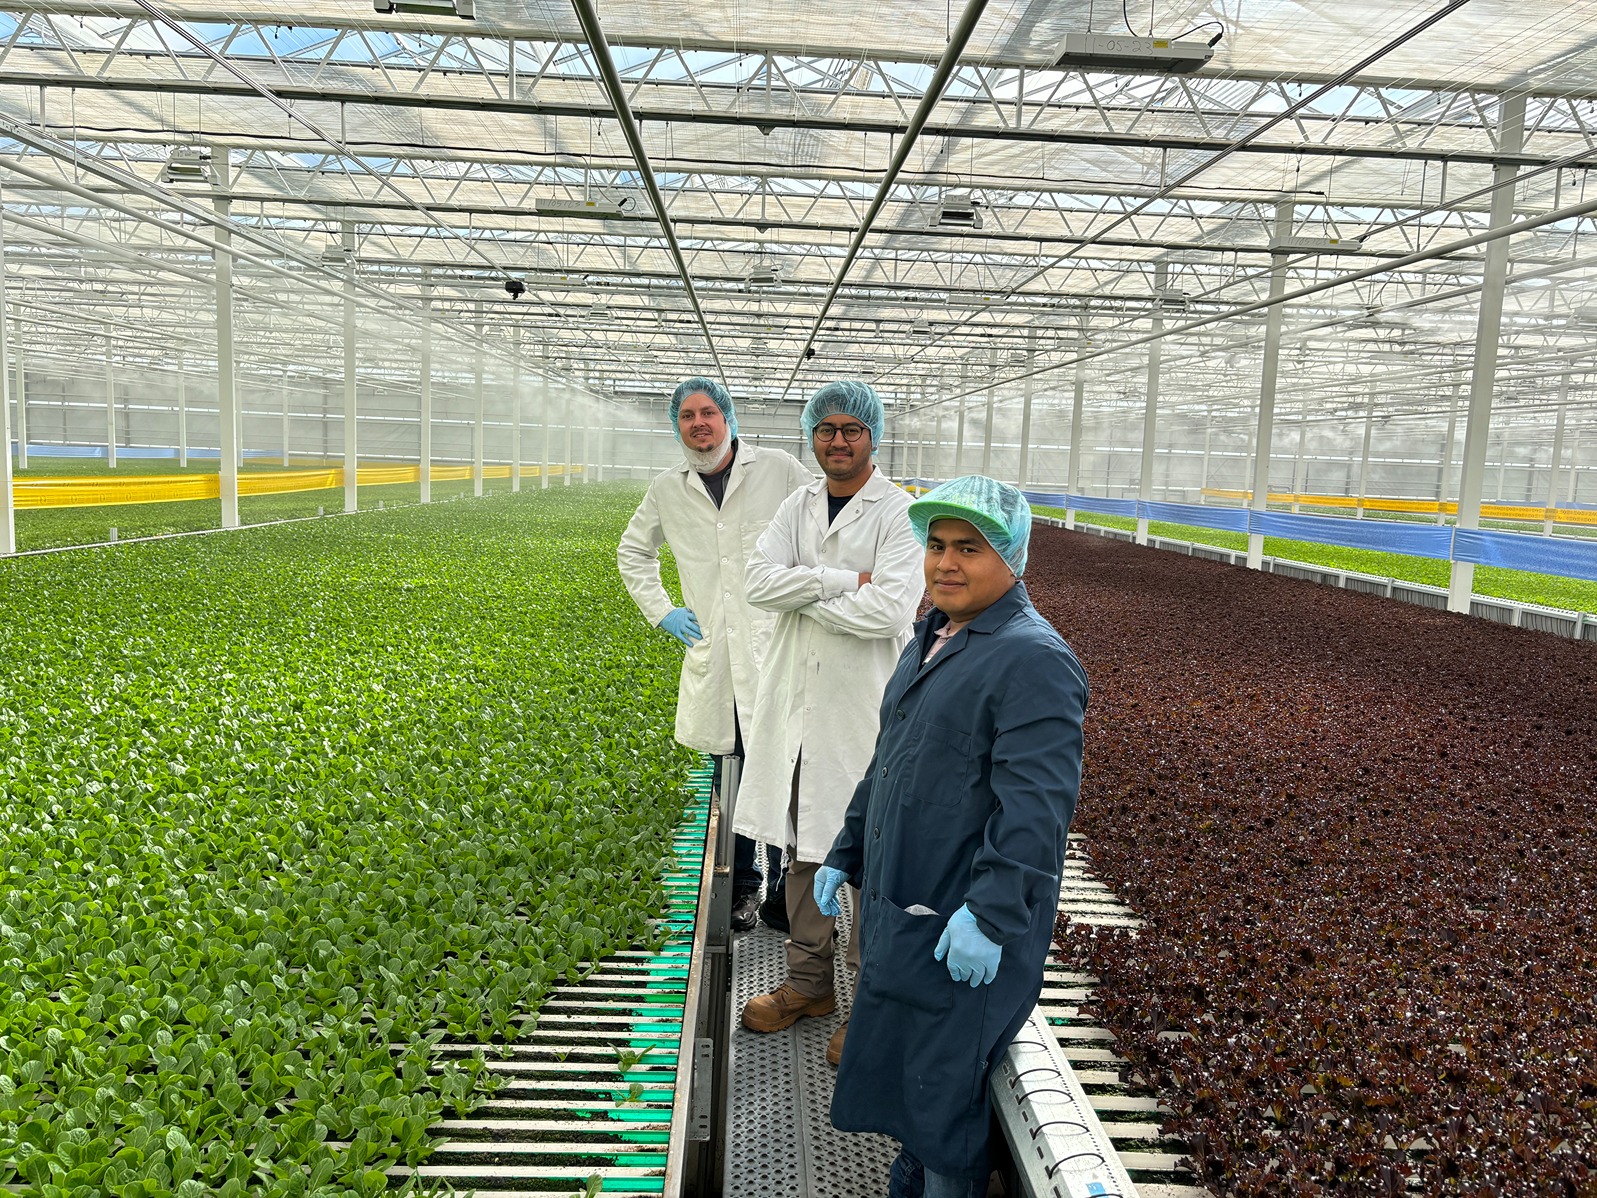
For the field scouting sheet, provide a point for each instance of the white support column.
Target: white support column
(1078, 405)
(425, 452)
(1028, 389)
(547, 402)
(20, 390)
(1558, 455)
(1447, 458)
(1488, 330)
(1300, 474)
(110, 407)
(959, 440)
(566, 409)
(587, 443)
(285, 421)
(351, 445)
(515, 409)
(477, 405)
(937, 443)
(1208, 440)
(920, 447)
(238, 407)
(1574, 470)
(1364, 458)
(1150, 409)
(8, 510)
(182, 413)
(987, 434)
(1264, 433)
(227, 407)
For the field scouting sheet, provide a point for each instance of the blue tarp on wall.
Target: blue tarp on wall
(126, 451)
(1234, 519)
(1387, 536)
(1519, 551)
(1087, 503)
(1565, 556)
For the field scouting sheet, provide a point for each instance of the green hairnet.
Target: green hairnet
(847, 397)
(998, 511)
(709, 387)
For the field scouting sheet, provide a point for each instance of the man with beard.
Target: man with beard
(711, 509)
(841, 568)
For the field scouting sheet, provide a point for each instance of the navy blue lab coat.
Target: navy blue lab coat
(968, 800)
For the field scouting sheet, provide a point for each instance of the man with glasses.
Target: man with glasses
(840, 566)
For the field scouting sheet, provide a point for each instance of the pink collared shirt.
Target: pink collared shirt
(944, 635)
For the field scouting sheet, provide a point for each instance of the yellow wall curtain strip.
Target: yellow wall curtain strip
(177, 488)
(382, 476)
(108, 492)
(283, 482)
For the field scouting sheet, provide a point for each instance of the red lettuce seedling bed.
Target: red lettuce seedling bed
(1363, 836)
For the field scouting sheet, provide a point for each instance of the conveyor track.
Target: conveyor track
(590, 1088)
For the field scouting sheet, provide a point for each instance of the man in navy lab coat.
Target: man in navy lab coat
(956, 839)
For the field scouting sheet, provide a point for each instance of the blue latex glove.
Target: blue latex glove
(970, 954)
(827, 880)
(681, 623)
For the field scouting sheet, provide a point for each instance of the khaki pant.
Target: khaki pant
(810, 943)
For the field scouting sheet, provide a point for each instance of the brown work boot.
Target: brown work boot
(784, 1007)
(834, 1046)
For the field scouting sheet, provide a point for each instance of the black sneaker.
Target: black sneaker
(746, 911)
(773, 912)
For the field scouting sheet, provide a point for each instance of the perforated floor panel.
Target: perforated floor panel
(781, 1143)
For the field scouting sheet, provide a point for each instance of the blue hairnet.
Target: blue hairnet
(998, 511)
(711, 388)
(847, 397)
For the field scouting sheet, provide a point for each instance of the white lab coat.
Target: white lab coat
(835, 646)
(710, 545)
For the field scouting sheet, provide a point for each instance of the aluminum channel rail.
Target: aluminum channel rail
(1072, 1102)
(566, 1109)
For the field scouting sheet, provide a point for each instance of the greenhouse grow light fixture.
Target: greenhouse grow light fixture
(466, 10)
(185, 165)
(764, 274)
(1309, 245)
(956, 210)
(1125, 52)
(601, 208)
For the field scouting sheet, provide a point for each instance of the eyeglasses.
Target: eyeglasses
(830, 432)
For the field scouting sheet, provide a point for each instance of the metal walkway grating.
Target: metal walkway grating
(781, 1142)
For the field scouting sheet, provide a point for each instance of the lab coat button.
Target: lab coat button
(884, 771)
(876, 833)
(900, 713)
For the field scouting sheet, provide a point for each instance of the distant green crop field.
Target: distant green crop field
(276, 800)
(1549, 590)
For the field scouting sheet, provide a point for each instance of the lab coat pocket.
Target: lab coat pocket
(898, 962)
(940, 767)
(696, 660)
